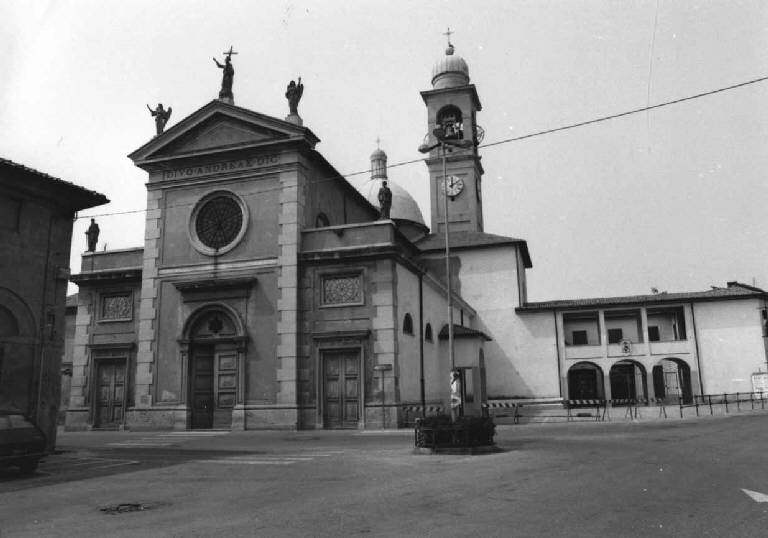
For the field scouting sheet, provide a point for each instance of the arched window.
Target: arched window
(408, 324)
(428, 333)
(9, 326)
(321, 221)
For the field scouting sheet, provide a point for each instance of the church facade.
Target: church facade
(269, 293)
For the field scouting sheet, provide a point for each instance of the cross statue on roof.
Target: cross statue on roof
(378, 143)
(448, 34)
(227, 77)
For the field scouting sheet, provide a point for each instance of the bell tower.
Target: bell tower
(452, 139)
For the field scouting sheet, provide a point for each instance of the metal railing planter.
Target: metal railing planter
(466, 433)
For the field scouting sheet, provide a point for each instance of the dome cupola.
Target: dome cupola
(405, 211)
(450, 71)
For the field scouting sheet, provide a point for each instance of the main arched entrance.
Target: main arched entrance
(585, 382)
(672, 380)
(215, 342)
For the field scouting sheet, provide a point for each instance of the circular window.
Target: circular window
(218, 223)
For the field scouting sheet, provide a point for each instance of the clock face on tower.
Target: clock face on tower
(218, 223)
(454, 186)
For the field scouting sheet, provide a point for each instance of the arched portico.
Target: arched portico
(212, 349)
(585, 382)
(628, 381)
(18, 368)
(672, 380)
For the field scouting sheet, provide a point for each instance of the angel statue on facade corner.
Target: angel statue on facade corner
(161, 116)
(293, 94)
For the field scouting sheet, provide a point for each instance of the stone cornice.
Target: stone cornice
(107, 275)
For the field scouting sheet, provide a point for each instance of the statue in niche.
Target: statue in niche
(228, 75)
(92, 236)
(385, 200)
(293, 94)
(161, 116)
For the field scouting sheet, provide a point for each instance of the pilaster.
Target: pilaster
(385, 347)
(603, 334)
(147, 346)
(80, 358)
(289, 244)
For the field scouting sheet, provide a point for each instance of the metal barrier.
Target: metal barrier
(514, 406)
(428, 410)
(723, 400)
(580, 404)
(727, 401)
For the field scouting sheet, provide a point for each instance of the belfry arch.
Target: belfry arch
(212, 350)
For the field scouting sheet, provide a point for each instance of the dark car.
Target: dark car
(21, 442)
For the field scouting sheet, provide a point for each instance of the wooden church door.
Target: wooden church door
(110, 393)
(341, 388)
(214, 387)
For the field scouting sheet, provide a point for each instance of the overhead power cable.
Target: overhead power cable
(503, 141)
(627, 113)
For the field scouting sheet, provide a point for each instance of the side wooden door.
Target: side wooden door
(341, 388)
(110, 393)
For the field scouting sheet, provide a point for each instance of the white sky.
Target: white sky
(672, 199)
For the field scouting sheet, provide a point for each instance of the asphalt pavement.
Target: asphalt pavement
(698, 477)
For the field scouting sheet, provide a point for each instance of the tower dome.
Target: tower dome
(450, 71)
(405, 211)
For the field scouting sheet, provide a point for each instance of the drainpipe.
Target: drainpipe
(43, 321)
(421, 345)
(696, 343)
(557, 352)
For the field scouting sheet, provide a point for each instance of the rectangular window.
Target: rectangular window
(653, 333)
(117, 307)
(579, 338)
(342, 290)
(615, 336)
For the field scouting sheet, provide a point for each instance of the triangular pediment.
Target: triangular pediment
(219, 127)
(220, 131)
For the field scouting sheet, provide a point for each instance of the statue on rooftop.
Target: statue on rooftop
(228, 75)
(385, 200)
(92, 236)
(293, 94)
(161, 116)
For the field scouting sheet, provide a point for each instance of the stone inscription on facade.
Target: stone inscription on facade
(226, 166)
(345, 289)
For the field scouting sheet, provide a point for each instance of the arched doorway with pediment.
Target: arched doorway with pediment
(213, 350)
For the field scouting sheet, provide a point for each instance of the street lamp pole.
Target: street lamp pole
(447, 260)
(443, 142)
